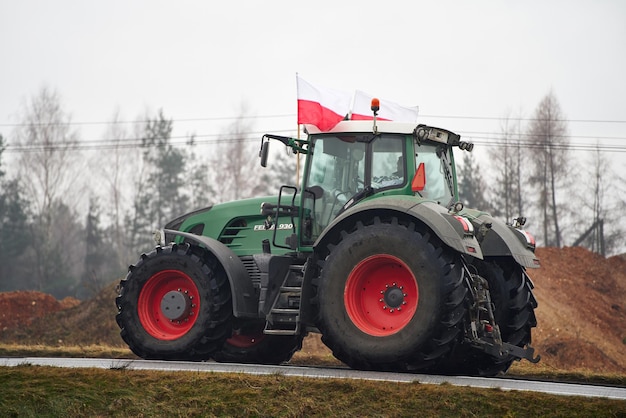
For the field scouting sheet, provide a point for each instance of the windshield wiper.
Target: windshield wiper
(443, 156)
(366, 192)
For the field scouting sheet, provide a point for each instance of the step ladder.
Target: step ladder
(284, 317)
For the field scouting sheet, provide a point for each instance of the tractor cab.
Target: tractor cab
(353, 162)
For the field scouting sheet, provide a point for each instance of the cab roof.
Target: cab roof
(348, 126)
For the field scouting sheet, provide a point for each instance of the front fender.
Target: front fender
(429, 213)
(244, 297)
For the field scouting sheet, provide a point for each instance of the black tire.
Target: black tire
(367, 276)
(175, 304)
(511, 294)
(248, 344)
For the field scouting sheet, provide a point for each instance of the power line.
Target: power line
(143, 121)
(249, 137)
(293, 115)
(490, 139)
(522, 119)
(474, 136)
(511, 136)
(571, 147)
(125, 143)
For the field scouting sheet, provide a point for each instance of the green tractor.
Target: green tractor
(374, 251)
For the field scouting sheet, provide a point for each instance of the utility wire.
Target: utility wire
(511, 136)
(125, 143)
(490, 139)
(293, 115)
(484, 138)
(520, 119)
(211, 139)
(143, 121)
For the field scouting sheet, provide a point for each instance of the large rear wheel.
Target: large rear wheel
(390, 298)
(175, 304)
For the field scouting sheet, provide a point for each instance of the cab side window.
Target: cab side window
(388, 162)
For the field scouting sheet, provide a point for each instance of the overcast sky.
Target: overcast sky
(203, 59)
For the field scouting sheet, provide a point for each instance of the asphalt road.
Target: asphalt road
(567, 389)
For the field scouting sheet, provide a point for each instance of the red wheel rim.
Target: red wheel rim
(381, 295)
(168, 305)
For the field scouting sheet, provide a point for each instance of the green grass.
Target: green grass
(46, 391)
(34, 391)
(41, 350)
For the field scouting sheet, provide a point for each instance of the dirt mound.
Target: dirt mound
(66, 322)
(565, 353)
(582, 309)
(581, 314)
(20, 308)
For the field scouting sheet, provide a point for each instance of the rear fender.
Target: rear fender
(434, 216)
(504, 240)
(245, 298)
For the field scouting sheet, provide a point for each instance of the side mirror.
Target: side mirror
(265, 149)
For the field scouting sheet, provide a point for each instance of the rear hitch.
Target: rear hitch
(504, 349)
(483, 331)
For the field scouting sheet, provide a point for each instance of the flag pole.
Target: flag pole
(298, 160)
(297, 135)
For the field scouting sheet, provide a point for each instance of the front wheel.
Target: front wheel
(390, 298)
(175, 305)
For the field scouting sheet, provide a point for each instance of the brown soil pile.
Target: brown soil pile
(582, 309)
(581, 314)
(19, 309)
(75, 323)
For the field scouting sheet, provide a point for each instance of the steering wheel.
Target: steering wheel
(339, 199)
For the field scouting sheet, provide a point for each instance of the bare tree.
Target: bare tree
(600, 214)
(507, 163)
(550, 144)
(197, 177)
(281, 170)
(234, 164)
(49, 151)
(47, 167)
(136, 222)
(115, 171)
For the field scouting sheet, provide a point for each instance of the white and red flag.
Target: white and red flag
(362, 110)
(321, 106)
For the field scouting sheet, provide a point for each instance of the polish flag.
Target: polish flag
(362, 110)
(321, 106)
